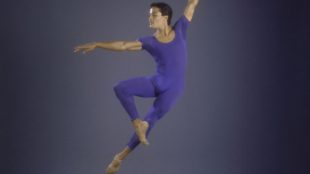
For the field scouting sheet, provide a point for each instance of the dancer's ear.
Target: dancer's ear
(166, 17)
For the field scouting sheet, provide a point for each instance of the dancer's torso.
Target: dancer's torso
(170, 58)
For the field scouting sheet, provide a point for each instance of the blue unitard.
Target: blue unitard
(166, 85)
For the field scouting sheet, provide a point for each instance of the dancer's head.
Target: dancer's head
(160, 14)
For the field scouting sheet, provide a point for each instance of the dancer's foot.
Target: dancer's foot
(141, 128)
(114, 166)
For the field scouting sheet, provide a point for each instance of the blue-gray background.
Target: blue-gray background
(244, 109)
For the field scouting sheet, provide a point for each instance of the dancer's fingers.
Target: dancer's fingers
(76, 50)
(84, 48)
(81, 46)
(77, 47)
(87, 50)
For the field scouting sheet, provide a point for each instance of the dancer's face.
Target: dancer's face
(156, 20)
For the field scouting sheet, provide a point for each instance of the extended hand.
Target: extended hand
(85, 48)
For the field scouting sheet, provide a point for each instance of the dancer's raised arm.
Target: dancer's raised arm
(110, 45)
(190, 9)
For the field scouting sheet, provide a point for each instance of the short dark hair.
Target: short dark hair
(164, 8)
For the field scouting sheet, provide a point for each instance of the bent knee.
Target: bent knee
(118, 87)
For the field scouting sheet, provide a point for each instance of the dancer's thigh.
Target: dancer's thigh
(141, 86)
(166, 100)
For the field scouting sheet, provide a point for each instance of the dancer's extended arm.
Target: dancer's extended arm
(111, 45)
(190, 9)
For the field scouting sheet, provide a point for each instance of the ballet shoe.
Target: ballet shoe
(114, 166)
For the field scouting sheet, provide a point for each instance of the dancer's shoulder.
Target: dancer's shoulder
(146, 41)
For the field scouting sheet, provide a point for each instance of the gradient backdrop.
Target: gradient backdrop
(244, 110)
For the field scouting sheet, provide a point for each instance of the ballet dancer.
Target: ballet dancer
(168, 48)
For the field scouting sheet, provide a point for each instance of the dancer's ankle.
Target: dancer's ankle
(118, 157)
(124, 153)
(136, 120)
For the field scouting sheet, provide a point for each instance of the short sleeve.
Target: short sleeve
(181, 25)
(146, 43)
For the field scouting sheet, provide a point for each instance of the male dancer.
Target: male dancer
(168, 48)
